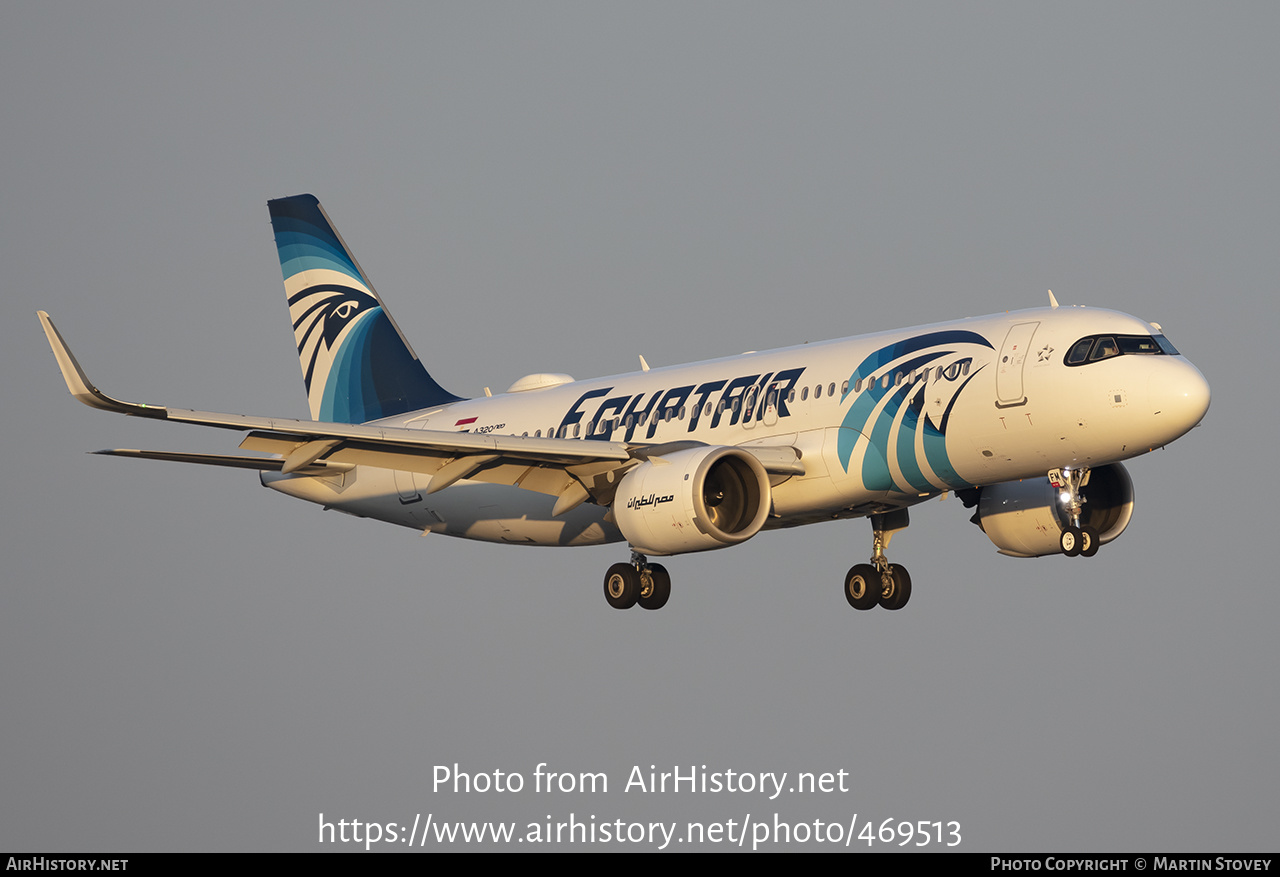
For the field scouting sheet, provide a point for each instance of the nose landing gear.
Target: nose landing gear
(1076, 540)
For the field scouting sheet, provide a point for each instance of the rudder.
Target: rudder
(356, 363)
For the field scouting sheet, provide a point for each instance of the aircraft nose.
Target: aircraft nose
(1179, 395)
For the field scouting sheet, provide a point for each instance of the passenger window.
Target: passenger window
(831, 390)
(817, 392)
(804, 394)
(844, 388)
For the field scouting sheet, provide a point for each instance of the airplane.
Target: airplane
(1026, 416)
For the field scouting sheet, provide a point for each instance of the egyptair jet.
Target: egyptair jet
(1025, 415)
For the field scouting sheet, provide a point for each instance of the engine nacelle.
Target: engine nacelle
(1026, 518)
(692, 500)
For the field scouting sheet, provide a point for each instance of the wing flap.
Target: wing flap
(233, 461)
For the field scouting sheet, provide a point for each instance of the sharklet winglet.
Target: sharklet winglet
(80, 385)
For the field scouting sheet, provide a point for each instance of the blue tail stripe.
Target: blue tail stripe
(301, 248)
(341, 405)
(372, 372)
(305, 239)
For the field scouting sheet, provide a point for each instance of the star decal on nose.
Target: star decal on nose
(1043, 355)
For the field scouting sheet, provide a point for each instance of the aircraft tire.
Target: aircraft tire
(622, 586)
(659, 591)
(1071, 541)
(862, 586)
(1090, 544)
(900, 592)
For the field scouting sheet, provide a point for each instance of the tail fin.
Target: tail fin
(356, 363)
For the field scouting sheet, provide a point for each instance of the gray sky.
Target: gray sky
(189, 662)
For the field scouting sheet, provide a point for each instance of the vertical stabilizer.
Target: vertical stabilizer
(356, 364)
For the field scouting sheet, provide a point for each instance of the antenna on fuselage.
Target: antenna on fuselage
(1053, 302)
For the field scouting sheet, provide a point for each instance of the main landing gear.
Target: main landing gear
(880, 583)
(1076, 540)
(626, 584)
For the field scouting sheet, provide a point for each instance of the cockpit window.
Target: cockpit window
(1096, 348)
(1080, 352)
(1104, 349)
(1138, 344)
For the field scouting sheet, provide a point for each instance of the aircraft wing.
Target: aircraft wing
(571, 469)
(564, 451)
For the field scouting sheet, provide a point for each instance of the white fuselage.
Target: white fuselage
(879, 421)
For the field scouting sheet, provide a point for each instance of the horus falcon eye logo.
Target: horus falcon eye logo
(889, 435)
(320, 314)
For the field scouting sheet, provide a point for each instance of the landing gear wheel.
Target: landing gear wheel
(655, 587)
(896, 595)
(622, 586)
(862, 586)
(1090, 540)
(1071, 541)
